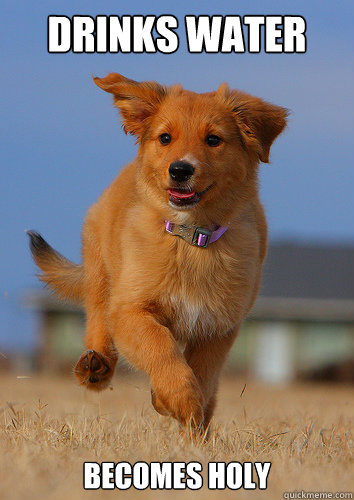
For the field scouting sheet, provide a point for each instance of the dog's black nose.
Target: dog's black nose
(181, 171)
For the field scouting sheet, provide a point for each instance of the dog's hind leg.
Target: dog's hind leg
(96, 365)
(206, 358)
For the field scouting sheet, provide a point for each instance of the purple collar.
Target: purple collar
(197, 236)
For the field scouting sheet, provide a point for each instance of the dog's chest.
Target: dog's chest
(199, 294)
(187, 317)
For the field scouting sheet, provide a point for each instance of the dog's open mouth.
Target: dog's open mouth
(185, 197)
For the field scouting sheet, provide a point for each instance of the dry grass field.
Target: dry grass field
(49, 427)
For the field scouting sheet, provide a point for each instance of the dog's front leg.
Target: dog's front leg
(96, 365)
(150, 346)
(206, 358)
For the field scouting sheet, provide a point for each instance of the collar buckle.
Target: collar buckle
(201, 237)
(196, 236)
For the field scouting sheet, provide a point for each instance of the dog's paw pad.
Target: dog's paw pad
(93, 370)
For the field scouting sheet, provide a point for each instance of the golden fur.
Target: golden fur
(172, 309)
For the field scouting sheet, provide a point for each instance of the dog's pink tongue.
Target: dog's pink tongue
(181, 194)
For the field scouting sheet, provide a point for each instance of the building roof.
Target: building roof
(307, 283)
(304, 271)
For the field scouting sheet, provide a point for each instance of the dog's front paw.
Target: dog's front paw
(157, 404)
(94, 370)
(183, 401)
(189, 407)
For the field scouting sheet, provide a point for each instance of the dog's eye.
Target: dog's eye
(165, 138)
(212, 140)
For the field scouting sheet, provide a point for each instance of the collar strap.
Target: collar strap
(196, 236)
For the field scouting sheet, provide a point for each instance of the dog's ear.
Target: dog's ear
(136, 101)
(259, 121)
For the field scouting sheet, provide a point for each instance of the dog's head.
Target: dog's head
(198, 153)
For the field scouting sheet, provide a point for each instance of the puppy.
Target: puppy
(173, 249)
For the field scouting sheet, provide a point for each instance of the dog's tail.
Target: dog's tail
(59, 273)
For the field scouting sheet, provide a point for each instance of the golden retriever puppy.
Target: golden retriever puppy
(173, 249)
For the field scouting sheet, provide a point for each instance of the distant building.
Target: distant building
(61, 331)
(302, 322)
(300, 326)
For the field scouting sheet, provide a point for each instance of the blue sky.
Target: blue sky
(61, 142)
